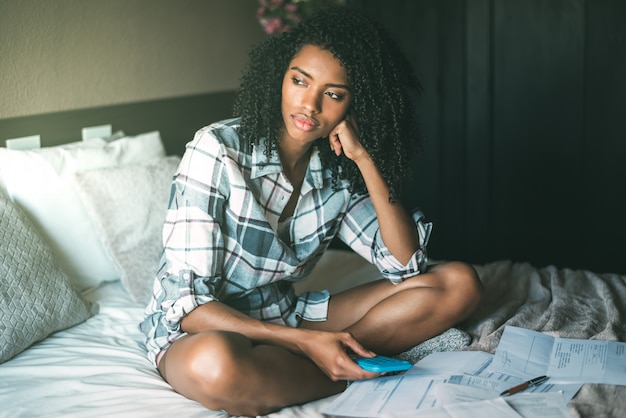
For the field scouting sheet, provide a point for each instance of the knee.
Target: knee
(220, 374)
(462, 285)
(210, 360)
(203, 367)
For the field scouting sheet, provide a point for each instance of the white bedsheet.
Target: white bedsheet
(99, 369)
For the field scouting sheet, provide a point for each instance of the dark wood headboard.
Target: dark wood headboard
(177, 119)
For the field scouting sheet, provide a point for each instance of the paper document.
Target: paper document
(417, 389)
(473, 368)
(409, 391)
(375, 397)
(534, 405)
(467, 402)
(496, 408)
(529, 354)
(458, 384)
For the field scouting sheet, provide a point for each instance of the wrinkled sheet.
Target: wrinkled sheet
(99, 368)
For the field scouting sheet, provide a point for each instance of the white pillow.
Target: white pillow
(128, 204)
(41, 182)
(6, 155)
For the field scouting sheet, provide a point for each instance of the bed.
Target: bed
(79, 239)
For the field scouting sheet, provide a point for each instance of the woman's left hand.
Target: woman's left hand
(345, 138)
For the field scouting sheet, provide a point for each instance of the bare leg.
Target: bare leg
(224, 370)
(389, 319)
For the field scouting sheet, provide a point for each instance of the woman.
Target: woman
(320, 150)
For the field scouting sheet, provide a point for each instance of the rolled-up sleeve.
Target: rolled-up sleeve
(193, 247)
(360, 231)
(193, 242)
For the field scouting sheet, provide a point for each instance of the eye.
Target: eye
(335, 96)
(297, 81)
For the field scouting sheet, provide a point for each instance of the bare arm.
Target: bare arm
(216, 316)
(397, 228)
(326, 349)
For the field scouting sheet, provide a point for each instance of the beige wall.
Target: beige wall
(70, 54)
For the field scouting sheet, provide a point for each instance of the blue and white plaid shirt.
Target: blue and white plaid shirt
(221, 244)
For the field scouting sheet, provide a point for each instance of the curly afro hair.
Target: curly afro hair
(382, 83)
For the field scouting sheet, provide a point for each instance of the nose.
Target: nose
(311, 101)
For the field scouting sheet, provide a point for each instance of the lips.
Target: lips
(304, 123)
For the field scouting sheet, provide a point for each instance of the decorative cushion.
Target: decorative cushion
(128, 205)
(36, 297)
(41, 183)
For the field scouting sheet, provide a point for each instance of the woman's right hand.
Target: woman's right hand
(329, 351)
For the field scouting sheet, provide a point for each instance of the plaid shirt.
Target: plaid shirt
(221, 244)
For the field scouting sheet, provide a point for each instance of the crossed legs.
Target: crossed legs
(224, 370)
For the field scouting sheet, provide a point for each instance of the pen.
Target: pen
(532, 382)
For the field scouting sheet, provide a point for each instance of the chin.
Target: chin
(304, 137)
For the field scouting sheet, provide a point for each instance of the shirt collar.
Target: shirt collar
(261, 166)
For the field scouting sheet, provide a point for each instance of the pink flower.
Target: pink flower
(282, 15)
(273, 25)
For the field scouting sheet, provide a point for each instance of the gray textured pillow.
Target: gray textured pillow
(36, 297)
(128, 204)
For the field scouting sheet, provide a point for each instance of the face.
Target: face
(315, 95)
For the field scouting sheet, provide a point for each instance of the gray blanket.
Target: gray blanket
(560, 302)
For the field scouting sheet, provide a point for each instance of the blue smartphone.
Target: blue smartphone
(382, 364)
